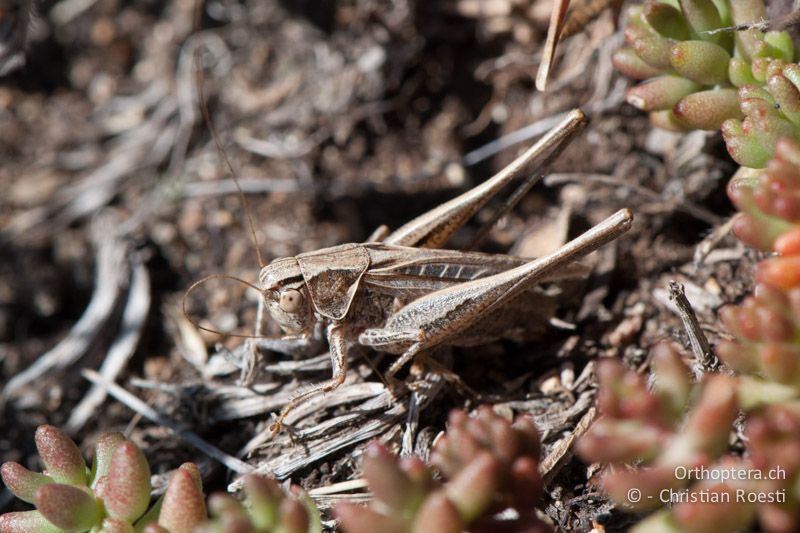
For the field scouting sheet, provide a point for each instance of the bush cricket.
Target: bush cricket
(399, 293)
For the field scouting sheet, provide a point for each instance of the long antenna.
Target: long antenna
(200, 82)
(196, 323)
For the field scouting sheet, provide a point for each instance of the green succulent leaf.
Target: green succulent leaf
(709, 422)
(740, 73)
(672, 383)
(357, 519)
(787, 97)
(751, 142)
(27, 522)
(649, 480)
(106, 444)
(792, 73)
(612, 441)
(115, 525)
(22, 482)
(703, 62)
(651, 47)
(727, 513)
(388, 482)
(293, 517)
(744, 12)
(660, 93)
(702, 16)
(126, 493)
(627, 62)
(68, 507)
(263, 495)
(473, 488)
(659, 522)
(708, 110)
(60, 455)
(183, 506)
(438, 514)
(312, 511)
(666, 20)
(755, 392)
(781, 44)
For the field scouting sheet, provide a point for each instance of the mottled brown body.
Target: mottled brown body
(403, 296)
(368, 283)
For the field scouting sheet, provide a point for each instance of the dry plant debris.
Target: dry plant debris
(340, 116)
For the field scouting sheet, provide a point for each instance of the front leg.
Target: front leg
(336, 341)
(297, 346)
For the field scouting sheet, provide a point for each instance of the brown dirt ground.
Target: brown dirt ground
(341, 115)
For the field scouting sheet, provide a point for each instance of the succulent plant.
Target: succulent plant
(637, 423)
(662, 457)
(488, 464)
(773, 448)
(750, 88)
(766, 327)
(733, 492)
(673, 427)
(769, 201)
(692, 72)
(182, 508)
(771, 111)
(113, 496)
(266, 509)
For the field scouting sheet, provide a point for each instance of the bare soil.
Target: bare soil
(337, 116)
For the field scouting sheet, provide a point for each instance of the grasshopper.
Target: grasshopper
(400, 294)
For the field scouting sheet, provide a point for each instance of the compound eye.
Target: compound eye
(291, 301)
